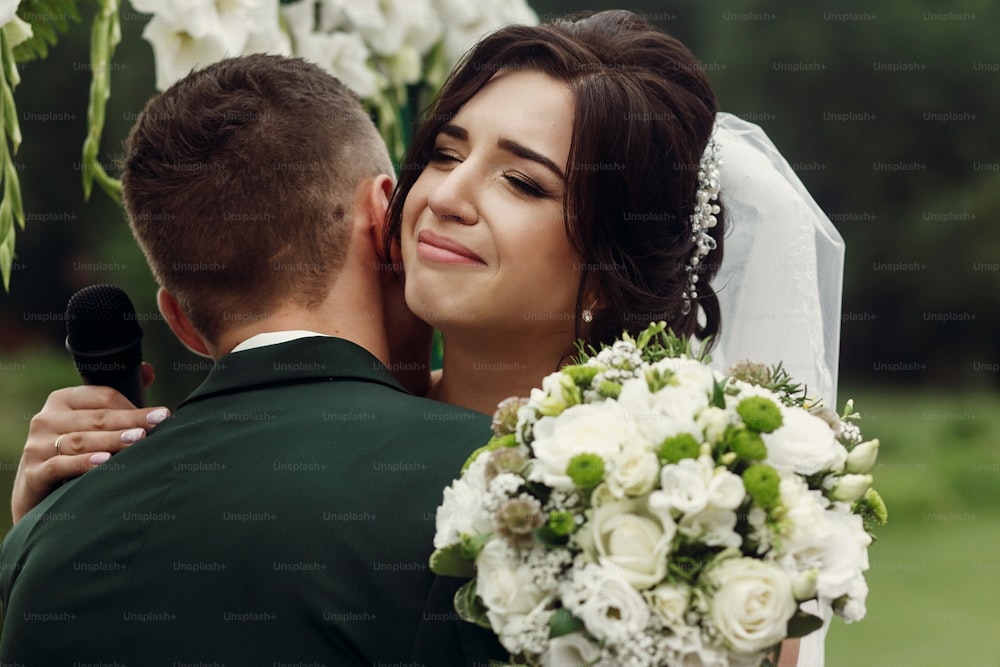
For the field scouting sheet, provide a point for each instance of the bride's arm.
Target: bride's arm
(789, 653)
(91, 423)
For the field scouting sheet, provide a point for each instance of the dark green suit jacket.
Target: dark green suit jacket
(283, 515)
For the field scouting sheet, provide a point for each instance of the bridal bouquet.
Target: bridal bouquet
(643, 509)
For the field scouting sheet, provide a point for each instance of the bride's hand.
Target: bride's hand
(90, 423)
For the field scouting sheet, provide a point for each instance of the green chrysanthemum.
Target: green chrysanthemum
(748, 445)
(682, 446)
(759, 414)
(761, 482)
(561, 523)
(586, 470)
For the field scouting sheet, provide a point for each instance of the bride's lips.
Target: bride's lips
(437, 248)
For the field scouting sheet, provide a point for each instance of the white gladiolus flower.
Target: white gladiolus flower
(8, 9)
(189, 34)
(344, 55)
(177, 52)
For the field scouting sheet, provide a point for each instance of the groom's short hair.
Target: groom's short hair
(239, 184)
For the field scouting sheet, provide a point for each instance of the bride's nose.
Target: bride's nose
(452, 198)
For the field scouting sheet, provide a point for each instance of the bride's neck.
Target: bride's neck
(478, 373)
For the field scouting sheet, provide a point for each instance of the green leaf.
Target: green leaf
(48, 19)
(802, 624)
(471, 545)
(469, 607)
(719, 396)
(450, 562)
(549, 538)
(563, 623)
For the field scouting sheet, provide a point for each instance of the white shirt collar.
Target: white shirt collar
(274, 338)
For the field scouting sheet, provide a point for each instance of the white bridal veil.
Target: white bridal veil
(782, 271)
(780, 282)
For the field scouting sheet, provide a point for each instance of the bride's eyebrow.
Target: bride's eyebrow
(509, 145)
(521, 151)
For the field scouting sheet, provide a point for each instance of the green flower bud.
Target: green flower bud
(804, 586)
(609, 389)
(562, 523)
(862, 458)
(682, 446)
(759, 414)
(849, 488)
(748, 445)
(586, 470)
(761, 482)
(582, 374)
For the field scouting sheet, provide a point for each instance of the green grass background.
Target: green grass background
(935, 569)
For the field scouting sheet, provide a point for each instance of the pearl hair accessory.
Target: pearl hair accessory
(703, 218)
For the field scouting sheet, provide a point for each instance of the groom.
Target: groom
(281, 515)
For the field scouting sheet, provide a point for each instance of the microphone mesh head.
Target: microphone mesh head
(100, 317)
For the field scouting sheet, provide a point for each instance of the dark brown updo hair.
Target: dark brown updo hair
(643, 115)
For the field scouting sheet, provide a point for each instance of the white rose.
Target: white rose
(670, 603)
(683, 487)
(633, 472)
(504, 584)
(665, 414)
(613, 610)
(804, 444)
(626, 537)
(571, 650)
(690, 374)
(596, 428)
(462, 510)
(752, 605)
(843, 554)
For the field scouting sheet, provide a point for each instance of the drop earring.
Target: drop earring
(588, 314)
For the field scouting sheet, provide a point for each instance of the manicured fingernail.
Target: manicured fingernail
(133, 435)
(99, 458)
(157, 416)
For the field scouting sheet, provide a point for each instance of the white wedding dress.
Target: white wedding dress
(780, 282)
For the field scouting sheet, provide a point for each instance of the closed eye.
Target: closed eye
(525, 185)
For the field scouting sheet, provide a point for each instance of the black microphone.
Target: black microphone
(104, 337)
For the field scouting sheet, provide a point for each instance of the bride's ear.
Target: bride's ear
(180, 323)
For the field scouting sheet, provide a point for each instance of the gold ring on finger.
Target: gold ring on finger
(58, 443)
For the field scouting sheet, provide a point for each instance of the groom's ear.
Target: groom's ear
(376, 205)
(180, 323)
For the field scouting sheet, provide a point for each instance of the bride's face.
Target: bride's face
(483, 239)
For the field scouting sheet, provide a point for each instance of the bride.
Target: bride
(564, 188)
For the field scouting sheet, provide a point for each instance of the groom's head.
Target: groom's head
(240, 181)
